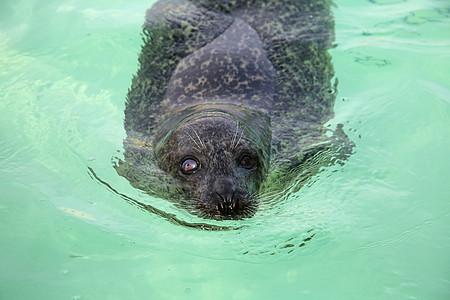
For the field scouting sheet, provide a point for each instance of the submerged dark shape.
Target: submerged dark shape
(229, 102)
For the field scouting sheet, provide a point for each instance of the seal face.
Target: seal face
(229, 102)
(219, 159)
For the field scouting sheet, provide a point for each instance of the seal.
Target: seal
(229, 102)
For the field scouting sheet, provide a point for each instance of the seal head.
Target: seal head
(221, 152)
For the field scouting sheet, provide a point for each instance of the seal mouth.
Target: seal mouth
(226, 208)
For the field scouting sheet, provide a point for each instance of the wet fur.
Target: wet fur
(256, 72)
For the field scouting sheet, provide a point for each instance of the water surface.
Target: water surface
(375, 228)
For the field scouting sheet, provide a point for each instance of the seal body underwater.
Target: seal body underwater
(230, 98)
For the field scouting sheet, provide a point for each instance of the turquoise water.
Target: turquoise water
(376, 228)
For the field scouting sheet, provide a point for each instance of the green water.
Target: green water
(375, 228)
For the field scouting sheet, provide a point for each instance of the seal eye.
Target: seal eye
(189, 166)
(246, 162)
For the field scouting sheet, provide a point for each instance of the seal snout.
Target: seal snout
(226, 196)
(227, 206)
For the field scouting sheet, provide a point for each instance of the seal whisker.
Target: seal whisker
(199, 139)
(270, 194)
(198, 146)
(235, 145)
(249, 210)
(235, 136)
